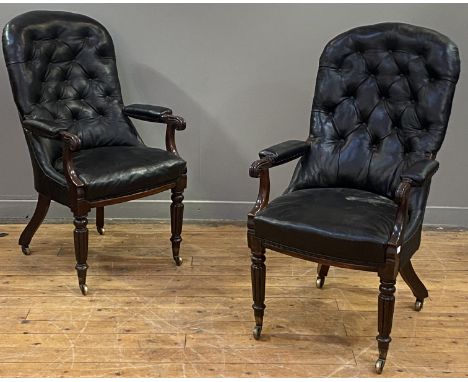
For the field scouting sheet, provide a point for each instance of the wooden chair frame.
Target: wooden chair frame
(80, 206)
(387, 272)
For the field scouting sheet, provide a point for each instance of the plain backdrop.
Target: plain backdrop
(243, 77)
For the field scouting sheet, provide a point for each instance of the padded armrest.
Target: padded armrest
(148, 113)
(285, 151)
(420, 171)
(45, 128)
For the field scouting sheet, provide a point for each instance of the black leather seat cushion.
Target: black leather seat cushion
(336, 223)
(120, 170)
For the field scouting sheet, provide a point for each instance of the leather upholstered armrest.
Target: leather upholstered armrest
(420, 171)
(278, 154)
(148, 113)
(157, 114)
(45, 128)
(53, 130)
(284, 152)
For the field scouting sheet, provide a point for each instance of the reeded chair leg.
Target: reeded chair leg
(258, 272)
(177, 216)
(385, 320)
(408, 274)
(40, 213)
(322, 272)
(100, 220)
(81, 250)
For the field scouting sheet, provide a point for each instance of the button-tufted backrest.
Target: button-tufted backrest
(382, 101)
(62, 67)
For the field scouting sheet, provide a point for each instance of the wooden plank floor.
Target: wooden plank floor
(145, 317)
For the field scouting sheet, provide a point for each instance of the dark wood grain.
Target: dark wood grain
(43, 203)
(100, 220)
(81, 250)
(177, 215)
(258, 275)
(410, 277)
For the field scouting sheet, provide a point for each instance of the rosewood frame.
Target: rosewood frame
(80, 206)
(387, 271)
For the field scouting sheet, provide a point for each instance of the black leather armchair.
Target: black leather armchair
(357, 197)
(85, 151)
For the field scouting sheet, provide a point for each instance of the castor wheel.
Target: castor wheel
(319, 282)
(25, 249)
(178, 260)
(257, 331)
(418, 305)
(379, 365)
(84, 289)
(101, 230)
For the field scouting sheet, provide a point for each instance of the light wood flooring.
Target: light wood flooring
(145, 317)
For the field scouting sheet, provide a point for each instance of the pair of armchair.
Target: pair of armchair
(357, 197)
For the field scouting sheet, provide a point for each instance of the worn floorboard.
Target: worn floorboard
(145, 317)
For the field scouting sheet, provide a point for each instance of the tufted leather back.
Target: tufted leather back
(382, 101)
(62, 67)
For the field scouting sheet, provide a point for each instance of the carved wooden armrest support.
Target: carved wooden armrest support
(259, 169)
(401, 198)
(260, 165)
(72, 143)
(71, 140)
(174, 123)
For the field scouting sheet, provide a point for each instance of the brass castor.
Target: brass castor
(418, 305)
(25, 249)
(84, 289)
(257, 331)
(379, 365)
(101, 230)
(178, 260)
(319, 282)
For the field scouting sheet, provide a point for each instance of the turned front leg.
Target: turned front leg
(385, 319)
(177, 216)
(81, 250)
(258, 273)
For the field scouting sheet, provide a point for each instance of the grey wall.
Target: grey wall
(243, 77)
